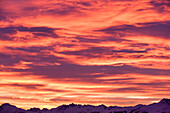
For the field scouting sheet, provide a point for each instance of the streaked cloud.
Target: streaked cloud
(88, 52)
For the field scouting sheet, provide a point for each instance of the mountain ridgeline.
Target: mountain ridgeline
(161, 107)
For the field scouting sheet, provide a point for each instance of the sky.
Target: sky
(112, 52)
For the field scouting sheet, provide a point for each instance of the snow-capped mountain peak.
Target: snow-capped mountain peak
(165, 101)
(161, 107)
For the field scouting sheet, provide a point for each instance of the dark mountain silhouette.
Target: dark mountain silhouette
(161, 107)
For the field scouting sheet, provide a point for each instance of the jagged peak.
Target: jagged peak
(34, 109)
(139, 105)
(45, 109)
(7, 104)
(165, 101)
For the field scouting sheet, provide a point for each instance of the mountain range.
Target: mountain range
(162, 106)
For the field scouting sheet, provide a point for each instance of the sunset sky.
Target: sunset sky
(112, 52)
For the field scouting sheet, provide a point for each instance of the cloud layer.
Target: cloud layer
(84, 51)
